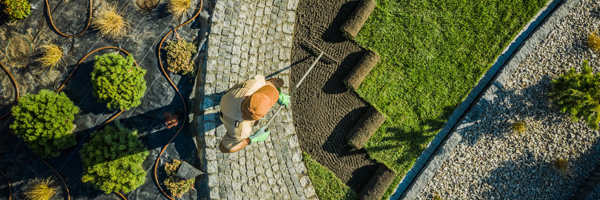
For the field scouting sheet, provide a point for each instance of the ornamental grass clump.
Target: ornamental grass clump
(579, 95)
(16, 9)
(174, 184)
(593, 41)
(562, 165)
(110, 23)
(113, 158)
(179, 55)
(39, 189)
(117, 81)
(178, 7)
(45, 122)
(51, 56)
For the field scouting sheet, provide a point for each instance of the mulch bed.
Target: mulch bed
(19, 162)
(324, 109)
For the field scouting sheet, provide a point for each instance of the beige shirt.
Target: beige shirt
(231, 106)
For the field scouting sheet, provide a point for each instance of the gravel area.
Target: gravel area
(495, 162)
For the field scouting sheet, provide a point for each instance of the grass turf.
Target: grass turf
(432, 54)
(327, 186)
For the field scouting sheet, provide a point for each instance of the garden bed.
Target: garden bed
(147, 28)
(494, 159)
(324, 109)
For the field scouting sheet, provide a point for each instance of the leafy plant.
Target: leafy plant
(110, 23)
(519, 127)
(45, 122)
(40, 189)
(436, 197)
(178, 7)
(117, 81)
(16, 9)
(113, 158)
(177, 186)
(51, 56)
(562, 165)
(578, 94)
(179, 55)
(594, 41)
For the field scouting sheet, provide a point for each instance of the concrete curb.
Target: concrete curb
(444, 143)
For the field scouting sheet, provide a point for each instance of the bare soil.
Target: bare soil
(324, 110)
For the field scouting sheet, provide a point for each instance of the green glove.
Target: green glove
(260, 135)
(284, 99)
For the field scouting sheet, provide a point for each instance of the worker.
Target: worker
(243, 105)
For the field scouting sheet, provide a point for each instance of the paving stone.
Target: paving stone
(249, 38)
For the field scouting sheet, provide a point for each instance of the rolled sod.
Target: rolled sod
(358, 18)
(365, 127)
(379, 182)
(362, 69)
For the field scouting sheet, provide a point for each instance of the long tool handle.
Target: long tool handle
(295, 88)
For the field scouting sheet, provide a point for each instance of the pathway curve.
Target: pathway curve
(249, 38)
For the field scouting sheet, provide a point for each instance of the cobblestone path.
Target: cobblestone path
(249, 38)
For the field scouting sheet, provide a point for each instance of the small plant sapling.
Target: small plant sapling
(562, 165)
(39, 189)
(593, 41)
(171, 120)
(579, 95)
(51, 56)
(179, 55)
(117, 81)
(113, 158)
(178, 7)
(110, 23)
(174, 184)
(519, 127)
(45, 122)
(16, 9)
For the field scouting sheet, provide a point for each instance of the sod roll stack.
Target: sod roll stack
(362, 69)
(378, 183)
(358, 18)
(365, 127)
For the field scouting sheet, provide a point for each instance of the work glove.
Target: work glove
(284, 99)
(260, 135)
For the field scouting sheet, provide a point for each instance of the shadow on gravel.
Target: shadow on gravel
(529, 103)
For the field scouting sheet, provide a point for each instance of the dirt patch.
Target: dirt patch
(324, 110)
(366, 126)
(147, 4)
(377, 185)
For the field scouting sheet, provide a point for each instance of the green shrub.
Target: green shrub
(45, 122)
(113, 158)
(179, 55)
(177, 186)
(16, 9)
(578, 94)
(117, 81)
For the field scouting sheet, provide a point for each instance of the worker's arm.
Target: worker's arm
(259, 136)
(235, 148)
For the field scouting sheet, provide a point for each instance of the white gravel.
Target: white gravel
(494, 162)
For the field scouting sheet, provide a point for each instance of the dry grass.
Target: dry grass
(562, 165)
(51, 55)
(178, 7)
(40, 189)
(110, 23)
(594, 41)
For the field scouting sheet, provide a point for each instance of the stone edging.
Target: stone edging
(443, 144)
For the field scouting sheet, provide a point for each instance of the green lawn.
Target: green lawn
(432, 54)
(327, 186)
